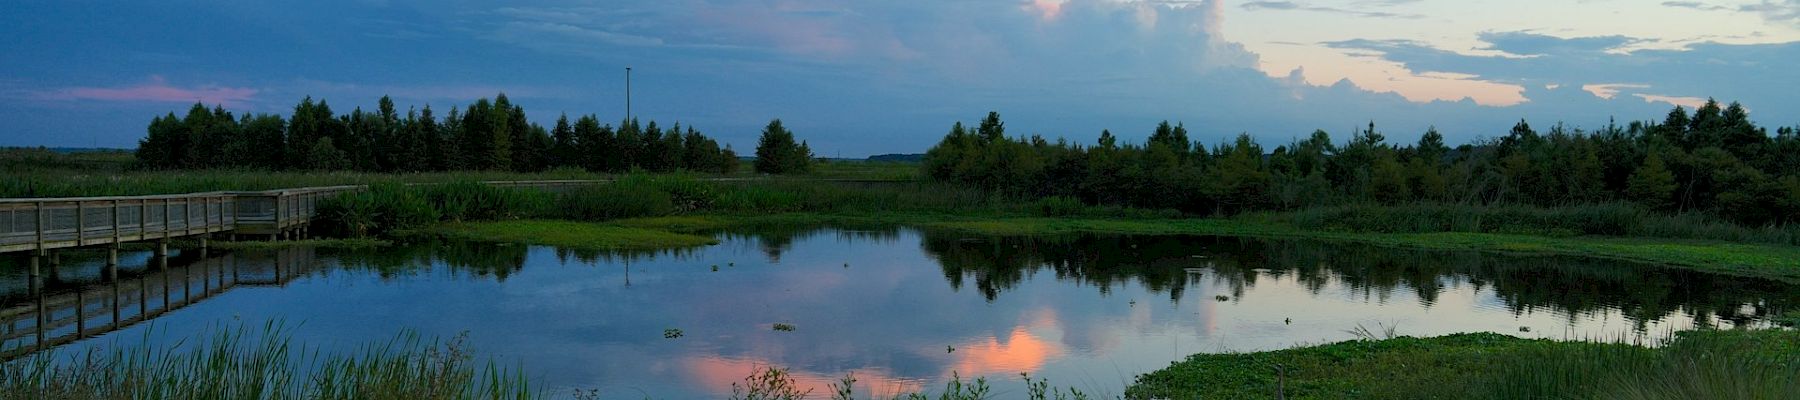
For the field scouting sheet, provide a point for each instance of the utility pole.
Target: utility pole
(628, 94)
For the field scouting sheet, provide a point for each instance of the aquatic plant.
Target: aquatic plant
(246, 362)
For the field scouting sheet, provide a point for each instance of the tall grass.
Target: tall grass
(390, 207)
(386, 208)
(1608, 219)
(1738, 364)
(263, 363)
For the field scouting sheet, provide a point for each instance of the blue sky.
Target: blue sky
(866, 77)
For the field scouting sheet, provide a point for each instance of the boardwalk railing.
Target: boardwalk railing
(53, 223)
(44, 224)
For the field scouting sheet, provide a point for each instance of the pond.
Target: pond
(901, 309)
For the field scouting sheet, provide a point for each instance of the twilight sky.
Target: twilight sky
(860, 77)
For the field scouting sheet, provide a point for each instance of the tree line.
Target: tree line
(486, 135)
(1711, 160)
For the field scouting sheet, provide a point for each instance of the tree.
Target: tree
(1431, 147)
(596, 143)
(326, 156)
(1653, 185)
(563, 150)
(164, 145)
(1238, 181)
(778, 153)
(266, 135)
(437, 150)
(1174, 138)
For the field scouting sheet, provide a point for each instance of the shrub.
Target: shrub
(1058, 206)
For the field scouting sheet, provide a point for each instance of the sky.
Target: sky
(862, 77)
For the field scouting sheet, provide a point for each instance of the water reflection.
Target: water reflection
(903, 309)
(89, 297)
(1168, 264)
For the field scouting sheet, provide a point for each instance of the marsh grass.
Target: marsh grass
(1605, 219)
(263, 363)
(1693, 364)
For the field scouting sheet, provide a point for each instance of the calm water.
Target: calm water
(1090, 311)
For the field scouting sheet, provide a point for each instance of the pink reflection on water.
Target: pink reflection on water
(718, 373)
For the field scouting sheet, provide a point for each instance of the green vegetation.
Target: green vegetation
(115, 179)
(1757, 260)
(1695, 364)
(778, 153)
(662, 206)
(245, 363)
(15, 160)
(575, 235)
(71, 183)
(485, 136)
(1713, 167)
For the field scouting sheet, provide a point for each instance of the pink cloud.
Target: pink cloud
(157, 90)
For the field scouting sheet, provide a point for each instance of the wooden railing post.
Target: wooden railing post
(115, 222)
(40, 226)
(80, 222)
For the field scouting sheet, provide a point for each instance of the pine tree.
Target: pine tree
(777, 153)
(563, 151)
(596, 144)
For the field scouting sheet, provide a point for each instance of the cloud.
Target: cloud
(1532, 44)
(865, 77)
(156, 90)
(1756, 73)
(1292, 6)
(1776, 11)
(420, 95)
(1695, 5)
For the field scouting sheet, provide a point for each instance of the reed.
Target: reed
(262, 362)
(1694, 364)
(1603, 219)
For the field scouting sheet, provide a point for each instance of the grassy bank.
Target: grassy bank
(1739, 259)
(575, 235)
(1742, 259)
(1695, 364)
